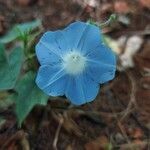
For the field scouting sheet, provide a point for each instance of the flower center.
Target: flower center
(74, 63)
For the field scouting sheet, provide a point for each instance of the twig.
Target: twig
(25, 144)
(134, 145)
(148, 144)
(142, 32)
(132, 94)
(19, 135)
(118, 121)
(123, 133)
(61, 121)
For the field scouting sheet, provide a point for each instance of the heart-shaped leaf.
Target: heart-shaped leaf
(10, 67)
(29, 95)
(19, 29)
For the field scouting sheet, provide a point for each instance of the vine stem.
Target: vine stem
(111, 19)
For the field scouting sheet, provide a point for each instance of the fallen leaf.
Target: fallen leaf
(92, 3)
(23, 2)
(84, 3)
(101, 143)
(124, 19)
(71, 127)
(69, 147)
(26, 2)
(145, 82)
(142, 60)
(136, 145)
(145, 3)
(137, 133)
(119, 138)
(121, 7)
(106, 7)
(133, 45)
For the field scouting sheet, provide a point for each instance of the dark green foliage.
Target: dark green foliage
(28, 96)
(10, 67)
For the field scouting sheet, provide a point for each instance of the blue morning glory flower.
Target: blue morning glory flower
(74, 62)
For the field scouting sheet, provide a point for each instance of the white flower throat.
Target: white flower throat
(74, 63)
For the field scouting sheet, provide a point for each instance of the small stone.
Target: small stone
(119, 138)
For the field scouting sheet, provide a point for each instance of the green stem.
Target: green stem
(24, 39)
(30, 57)
(111, 19)
(25, 44)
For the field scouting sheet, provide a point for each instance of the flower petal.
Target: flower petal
(103, 54)
(50, 48)
(74, 33)
(102, 64)
(52, 80)
(81, 89)
(82, 36)
(100, 72)
(90, 39)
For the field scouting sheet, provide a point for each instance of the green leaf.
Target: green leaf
(10, 67)
(10, 36)
(28, 96)
(29, 26)
(19, 30)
